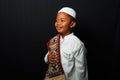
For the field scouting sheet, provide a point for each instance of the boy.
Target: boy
(66, 53)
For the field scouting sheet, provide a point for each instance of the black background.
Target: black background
(26, 26)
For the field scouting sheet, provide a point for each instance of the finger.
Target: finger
(52, 61)
(51, 52)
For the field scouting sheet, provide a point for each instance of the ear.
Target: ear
(73, 24)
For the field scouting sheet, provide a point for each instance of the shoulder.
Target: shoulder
(78, 44)
(74, 39)
(75, 42)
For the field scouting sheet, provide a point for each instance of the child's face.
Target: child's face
(63, 23)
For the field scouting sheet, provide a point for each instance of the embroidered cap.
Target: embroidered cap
(69, 11)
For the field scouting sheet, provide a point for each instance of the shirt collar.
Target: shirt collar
(67, 35)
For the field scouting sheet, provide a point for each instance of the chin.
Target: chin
(60, 32)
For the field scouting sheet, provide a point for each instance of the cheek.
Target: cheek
(55, 24)
(66, 25)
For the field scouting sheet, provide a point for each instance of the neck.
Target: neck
(63, 35)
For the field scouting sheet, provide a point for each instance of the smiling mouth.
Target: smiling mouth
(60, 27)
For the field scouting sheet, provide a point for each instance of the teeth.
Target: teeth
(60, 27)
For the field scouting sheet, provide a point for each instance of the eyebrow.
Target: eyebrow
(61, 18)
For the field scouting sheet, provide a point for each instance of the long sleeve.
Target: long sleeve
(76, 66)
(81, 64)
(46, 58)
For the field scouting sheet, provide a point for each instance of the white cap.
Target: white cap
(69, 11)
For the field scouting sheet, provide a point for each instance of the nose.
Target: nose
(58, 23)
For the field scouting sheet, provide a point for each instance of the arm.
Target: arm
(81, 64)
(51, 57)
(46, 58)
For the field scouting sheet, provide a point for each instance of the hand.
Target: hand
(52, 58)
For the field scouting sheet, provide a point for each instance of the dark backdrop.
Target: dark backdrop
(26, 26)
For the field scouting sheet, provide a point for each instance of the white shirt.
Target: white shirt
(73, 58)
